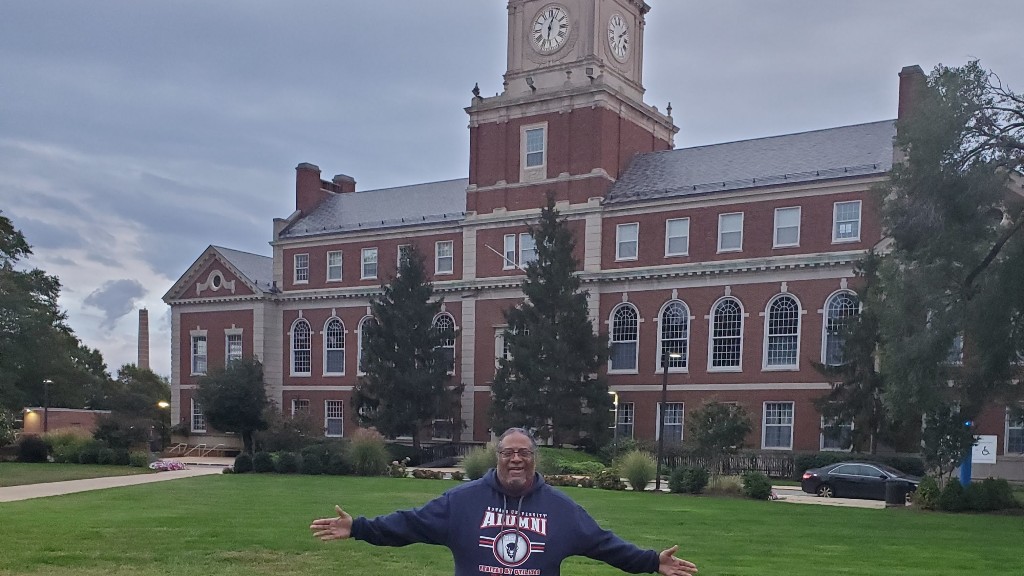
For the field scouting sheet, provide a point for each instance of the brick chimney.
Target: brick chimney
(912, 82)
(143, 339)
(344, 183)
(309, 189)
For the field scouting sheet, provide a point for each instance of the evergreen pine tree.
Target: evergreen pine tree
(549, 382)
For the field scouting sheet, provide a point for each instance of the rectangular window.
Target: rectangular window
(527, 249)
(730, 232)
(198, 418)
(534, 147)
(787, 227)
(334, 266)
(846, 221)
(626, 241)
(334, 418)
(1014, 434)
(369, 260)
(777, 426)
(509, 252)
(300, 407)
(441, 429)
(301, 268)
(836, 434)
(673, 422)
(677, 237)
(624, 420)
(233, 348)
(404, 250)
(444, 257)
(199, 354)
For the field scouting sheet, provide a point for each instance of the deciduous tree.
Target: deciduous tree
(234, 398)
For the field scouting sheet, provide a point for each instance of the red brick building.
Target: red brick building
(736, 255)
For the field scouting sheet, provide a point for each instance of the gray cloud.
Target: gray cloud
(115, 299)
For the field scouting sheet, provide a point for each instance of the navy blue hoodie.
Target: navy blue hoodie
(491, 532)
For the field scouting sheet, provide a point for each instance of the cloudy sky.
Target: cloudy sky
(133, 134)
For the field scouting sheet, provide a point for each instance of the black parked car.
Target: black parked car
(855, 480)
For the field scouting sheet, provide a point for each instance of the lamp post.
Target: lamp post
(46, 404)
(665, 355)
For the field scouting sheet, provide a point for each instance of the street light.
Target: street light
(665, 355)
(46, 404)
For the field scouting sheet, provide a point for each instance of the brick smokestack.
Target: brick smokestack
(912, 82)
(143, 339)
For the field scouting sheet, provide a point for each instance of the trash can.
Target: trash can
(896, 493)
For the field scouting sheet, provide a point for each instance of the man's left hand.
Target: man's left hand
(669, 565)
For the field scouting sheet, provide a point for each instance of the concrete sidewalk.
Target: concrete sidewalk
(29, 491)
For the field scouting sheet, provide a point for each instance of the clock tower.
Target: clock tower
(571, 113)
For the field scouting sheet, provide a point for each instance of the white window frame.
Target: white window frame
(444, 263)
(338, 415)
(327, 341)
(197, 358)
(449, 344)
(292, 357)
(674, 364)
(711, 336)
(669, 425)
(361, 327)
(198, 420)
(826, 319)
(779, 227)
(1016, 427)
(765, 425)
(368, 258)
(685, 222)
(768, 335)
(722, 232)
(300, 268)
(627, 236)
(446, 424)
(300, 406)
(612, 341)
(536, 171)
(527, 249)
(334, 269)
(625, 419)
(233, 334)
(836, 238)
(821, 441)
(509, 261)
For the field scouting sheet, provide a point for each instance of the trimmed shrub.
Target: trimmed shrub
(397, 468)
(639, 468)
(609, 479)
(338, 465)
(756, 485)
(927, 495)
(458, 476)
(243, 463)
(287, 463)
(478, 461)
(995, 495)
(688, 480)
(122, 457)
(311, 466)
(66, 444)
(425, 474)
(32, 449)
(262, 462)
(90, 452)
(725, 486)
(106, 456)
(952, 497)
(367, 453)
(138, 459)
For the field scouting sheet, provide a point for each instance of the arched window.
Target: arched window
(625, 337)
(334, 347)
(366, 321)
(782, 332)
(445, 324)
(727, 334)
(839, 309)
(674, 333)
(301, 348)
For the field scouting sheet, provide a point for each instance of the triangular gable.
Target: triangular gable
(212, 275)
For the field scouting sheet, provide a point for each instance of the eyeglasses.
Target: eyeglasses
(508, 453)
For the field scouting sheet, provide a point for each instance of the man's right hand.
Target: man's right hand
(337, 528)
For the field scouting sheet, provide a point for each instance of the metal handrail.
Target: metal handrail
(207, 451)
(199, 447)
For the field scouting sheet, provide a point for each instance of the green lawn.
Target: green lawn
(16, 473)
(230, 525)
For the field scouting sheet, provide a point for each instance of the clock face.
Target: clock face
(550, 29)
(618, 36)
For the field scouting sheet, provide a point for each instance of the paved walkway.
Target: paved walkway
(28, 491)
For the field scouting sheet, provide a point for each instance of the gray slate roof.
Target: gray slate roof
(384, 208)
(863, 149)
(257, 269)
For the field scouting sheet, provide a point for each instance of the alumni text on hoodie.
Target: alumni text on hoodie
(491, 532)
